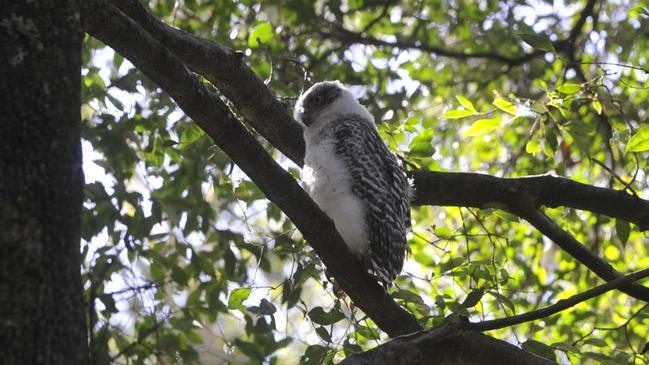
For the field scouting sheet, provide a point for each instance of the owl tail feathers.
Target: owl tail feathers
(381, 274)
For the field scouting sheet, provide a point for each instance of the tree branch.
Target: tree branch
(111, 26)
(568, 243)
(350, 37)
(224, 68)
(485, 191)
(445, 345)
(558, 306)
(448, 344)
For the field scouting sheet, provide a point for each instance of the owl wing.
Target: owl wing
(378, 180)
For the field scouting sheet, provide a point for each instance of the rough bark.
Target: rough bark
(445, 345)
(41, 182)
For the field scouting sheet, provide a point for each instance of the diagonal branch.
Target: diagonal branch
(224, 68)
(111, 26)
(568, 243)
(558, 306)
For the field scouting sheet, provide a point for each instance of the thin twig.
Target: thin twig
(558, 306)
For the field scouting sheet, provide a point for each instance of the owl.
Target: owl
(354, 178)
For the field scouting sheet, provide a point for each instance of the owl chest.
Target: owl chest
(326, 176)
(329, 184)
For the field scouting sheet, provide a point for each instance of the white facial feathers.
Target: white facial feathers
(326, 101)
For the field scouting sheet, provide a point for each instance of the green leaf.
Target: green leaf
(481, 126)
(407, 296)
(540, 349)
(250, 349)
(157, 272)
(473, 298)
(532, 147)
(597, 106)
(597, 342)
(262, 33)
(421, 145)
(457, 114)
(569, 88)
(565, 347)
(323, 333)
(194, 337)
(466, 103)
(504, 300)
(505, 105)
(237, 296)
(266, 307)
(622, 230)
(639, 142)
(313, 354)
(645, 349)
(538, 41)
(319, 316)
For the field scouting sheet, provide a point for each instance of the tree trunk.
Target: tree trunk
(41, 184)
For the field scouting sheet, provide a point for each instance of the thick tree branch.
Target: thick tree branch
(586, 13)
(224, 68)
(558, 306)
(445, 345)
(111, 26)
(485, 191)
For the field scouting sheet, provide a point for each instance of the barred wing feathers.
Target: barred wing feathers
(378, 180)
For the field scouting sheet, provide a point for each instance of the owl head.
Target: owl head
(324, 100)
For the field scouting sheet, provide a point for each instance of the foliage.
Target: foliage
(186, 261)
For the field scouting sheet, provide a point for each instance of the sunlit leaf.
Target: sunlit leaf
(482, 126)
(468, 105)
(532, 147)
(597, 106)
(262, 33)
(569, 88)
(237, 296)
(457, 114)
(505, 105)
(639, 142)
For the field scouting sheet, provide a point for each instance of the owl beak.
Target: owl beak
(306, 117)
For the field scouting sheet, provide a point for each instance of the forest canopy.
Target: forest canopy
(197, 247)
